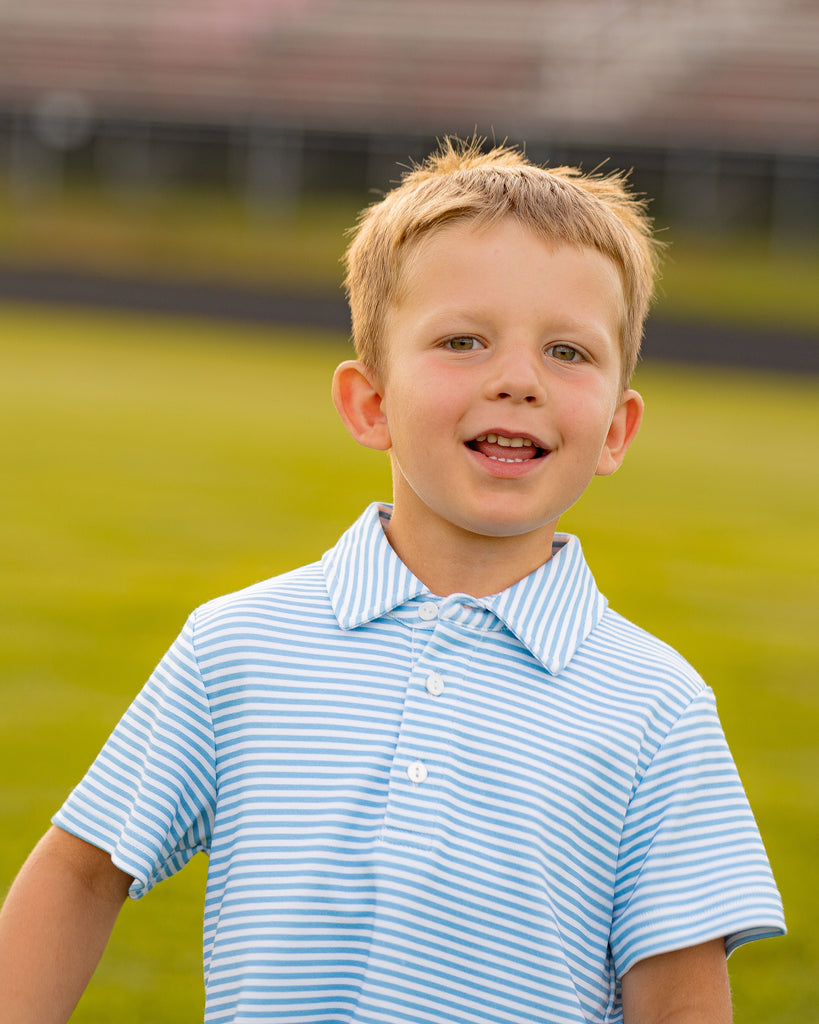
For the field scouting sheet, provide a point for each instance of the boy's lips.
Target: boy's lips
(506, 446)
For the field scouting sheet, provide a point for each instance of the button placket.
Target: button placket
(418, 771)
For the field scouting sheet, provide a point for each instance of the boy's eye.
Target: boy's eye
(565, 353)
(462, 343)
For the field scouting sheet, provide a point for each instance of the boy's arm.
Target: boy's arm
(688, 986)
(54, 926)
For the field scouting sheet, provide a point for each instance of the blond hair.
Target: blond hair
(461, 182)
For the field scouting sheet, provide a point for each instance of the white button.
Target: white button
(428, 611)
(435, 684)
(417, 772)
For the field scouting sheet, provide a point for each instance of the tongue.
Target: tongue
(497, 451)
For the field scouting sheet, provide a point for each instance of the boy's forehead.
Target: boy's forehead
(470, 231)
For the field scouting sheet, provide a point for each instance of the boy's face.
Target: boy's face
(501, 397)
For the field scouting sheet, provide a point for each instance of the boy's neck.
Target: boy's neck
(449, 560)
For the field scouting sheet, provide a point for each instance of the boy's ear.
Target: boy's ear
(359, 399)
(624, 426)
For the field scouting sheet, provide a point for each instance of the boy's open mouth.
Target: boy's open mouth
(507, 448)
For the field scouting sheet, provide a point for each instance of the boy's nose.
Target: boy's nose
(517, 379)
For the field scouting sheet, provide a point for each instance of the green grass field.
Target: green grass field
(151, 464)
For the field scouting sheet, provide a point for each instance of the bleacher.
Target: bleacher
(746, 70)
(713, 103)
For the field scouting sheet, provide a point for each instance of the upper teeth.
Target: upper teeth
(506, 442)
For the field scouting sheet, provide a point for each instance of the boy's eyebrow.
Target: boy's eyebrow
(458, 318)
(468, 313)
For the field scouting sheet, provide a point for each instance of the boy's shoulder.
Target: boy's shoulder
(312, 592)
(639, 663)
(294, 592)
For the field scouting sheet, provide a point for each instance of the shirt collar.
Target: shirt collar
(365, 578)
(551, 611)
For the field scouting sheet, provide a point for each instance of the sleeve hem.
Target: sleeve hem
(741, 938)
(733, 938)
(140, 884)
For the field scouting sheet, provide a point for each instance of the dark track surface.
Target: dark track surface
(714, 344)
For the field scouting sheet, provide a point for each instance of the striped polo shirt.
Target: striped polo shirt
(426, 810)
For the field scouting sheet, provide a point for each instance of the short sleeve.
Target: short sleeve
(692, 865)
(149, 797)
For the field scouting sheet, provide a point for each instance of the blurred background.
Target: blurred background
(203, 140)
(176, 179)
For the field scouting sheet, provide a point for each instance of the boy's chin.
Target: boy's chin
(511, 529)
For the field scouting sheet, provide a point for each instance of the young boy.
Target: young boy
(438, 779)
